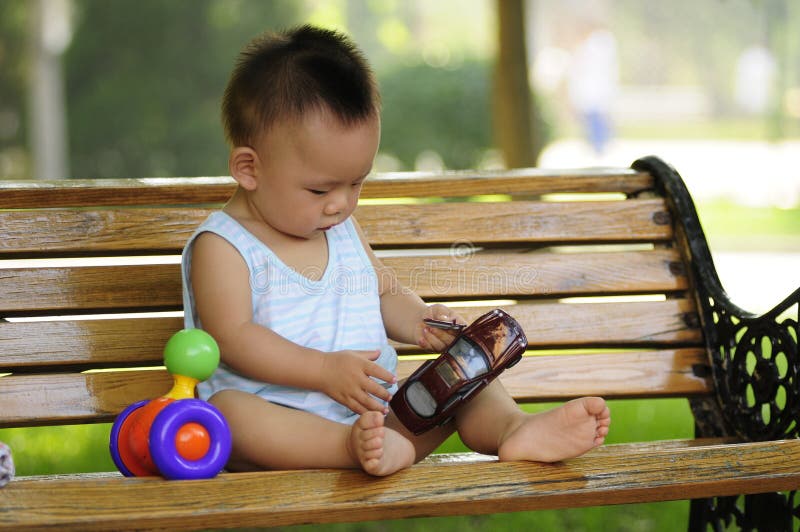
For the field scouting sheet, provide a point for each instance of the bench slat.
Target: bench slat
(64, 398)
(155, 287)
(540, 274)
(669, 373)
(499, 274)
(88, 397)
(525, 182)
(167, 229)
(92, 343)
(112, 231)
(518, 221)
(216, 190)
(617, 476)
(158, 286)
(98, 343)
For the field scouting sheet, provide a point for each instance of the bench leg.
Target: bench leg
(764, 511)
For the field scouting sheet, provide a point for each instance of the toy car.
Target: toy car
(477, 355)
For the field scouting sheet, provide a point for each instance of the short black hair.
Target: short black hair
(282, 76)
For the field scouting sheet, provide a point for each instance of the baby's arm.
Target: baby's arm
(403, 310)
(220, 281)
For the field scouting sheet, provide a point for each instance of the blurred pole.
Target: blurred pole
(777, 15)
(512, 105)
(52, 33)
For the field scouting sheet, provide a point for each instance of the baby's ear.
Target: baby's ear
(243, 165)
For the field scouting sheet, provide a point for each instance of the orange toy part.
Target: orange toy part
(134, 440)
(192, 441)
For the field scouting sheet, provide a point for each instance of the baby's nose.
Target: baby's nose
(336, 205)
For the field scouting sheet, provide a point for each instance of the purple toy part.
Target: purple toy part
(113, 444)
(165, 428)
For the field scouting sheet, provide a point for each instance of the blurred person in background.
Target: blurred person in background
(592, 82)
(755, 74)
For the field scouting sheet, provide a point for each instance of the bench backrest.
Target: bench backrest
(586, 261)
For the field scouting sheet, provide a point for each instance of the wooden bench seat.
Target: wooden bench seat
(607, 271)
(459, 484)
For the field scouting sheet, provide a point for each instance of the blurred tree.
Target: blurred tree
(513, 105)
(144, 81)
(14, 23)
(50, 36)
(445, 110)
(779, 32)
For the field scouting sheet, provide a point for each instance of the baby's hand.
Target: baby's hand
(434, 338)
(347, 380)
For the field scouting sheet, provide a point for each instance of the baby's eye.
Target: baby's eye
(317, 192)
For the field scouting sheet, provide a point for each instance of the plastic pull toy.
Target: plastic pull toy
(175, 436)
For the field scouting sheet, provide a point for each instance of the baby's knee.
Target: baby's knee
(229, 401)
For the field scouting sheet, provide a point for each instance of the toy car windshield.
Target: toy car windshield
(475, 357)
(469, 356)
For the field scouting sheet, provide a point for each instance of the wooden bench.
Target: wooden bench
(549, 247)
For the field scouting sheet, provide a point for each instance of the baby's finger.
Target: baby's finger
(381, 373)
(455, 318)
(444, 313)
(355, 405)
(437, 339)
(369, 403)
(373, 388)
(369, 355)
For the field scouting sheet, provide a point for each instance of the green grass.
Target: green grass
(61, 449)
(79, 448)
(733, 227)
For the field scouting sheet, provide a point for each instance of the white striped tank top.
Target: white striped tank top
(339, 311)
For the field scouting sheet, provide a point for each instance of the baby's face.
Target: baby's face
(311, 172)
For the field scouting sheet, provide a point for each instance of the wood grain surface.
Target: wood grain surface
(99, 343)
(61, 398)
(503, 274)
(566, 234)
(163, 230)
(27, 194)
(620, 475)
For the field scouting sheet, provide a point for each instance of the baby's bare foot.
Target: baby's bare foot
(380, 451)
(564, 432)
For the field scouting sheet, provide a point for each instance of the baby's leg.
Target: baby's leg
(492, 423)
(270, 436)
(383, 445)
(379, 450)
(564, 432)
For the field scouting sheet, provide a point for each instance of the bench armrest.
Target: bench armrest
(754, 359)
(756, 367)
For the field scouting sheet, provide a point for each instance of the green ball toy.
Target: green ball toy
(193, 353)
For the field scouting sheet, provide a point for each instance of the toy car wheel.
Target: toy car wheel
(118, 441)
(190, 439)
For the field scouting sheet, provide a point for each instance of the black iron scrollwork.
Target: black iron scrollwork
(756, 370)
(766, 512)
(755, 367)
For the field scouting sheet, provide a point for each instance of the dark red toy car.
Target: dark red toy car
(480, 352)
